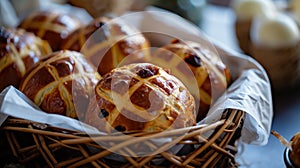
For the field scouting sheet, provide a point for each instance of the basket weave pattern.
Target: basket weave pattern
(38, 144)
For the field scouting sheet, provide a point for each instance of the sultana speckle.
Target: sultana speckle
(103, 113)
(193, 60)
(120, 128)
(145, 73)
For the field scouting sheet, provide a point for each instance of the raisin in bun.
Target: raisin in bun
(61, 83)
(140, 97)
(19, 51)
(53, 26)
(106, 42)
(211, 74)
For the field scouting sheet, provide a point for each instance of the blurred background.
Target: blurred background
(13, 10)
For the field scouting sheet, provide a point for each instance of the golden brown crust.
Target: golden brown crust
(211, 75)
(19, 51)
(140, 97)
(51, 26)
(107, 42)
(61, 83)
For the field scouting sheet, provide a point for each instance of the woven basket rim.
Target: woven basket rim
(212, 150)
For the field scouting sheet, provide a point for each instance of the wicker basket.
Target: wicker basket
(39, 145)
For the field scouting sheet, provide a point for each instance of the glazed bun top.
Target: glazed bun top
(19, 51)
(52, 26)
(211, 75)
(61, 83)
(106, 42)
(140, 97)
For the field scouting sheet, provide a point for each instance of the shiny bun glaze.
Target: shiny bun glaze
(207, 68)
(61, 83)
(52, 26)
(106, 42)
(19, 51)
(140, 97)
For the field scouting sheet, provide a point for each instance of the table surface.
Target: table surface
(218, 23)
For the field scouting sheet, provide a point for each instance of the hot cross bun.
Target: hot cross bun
(106, 42)
(140, 97)
(211, 74)
(52, 26)
(19, 51)
(61, 83)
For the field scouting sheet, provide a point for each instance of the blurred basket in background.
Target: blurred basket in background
(269, 32)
